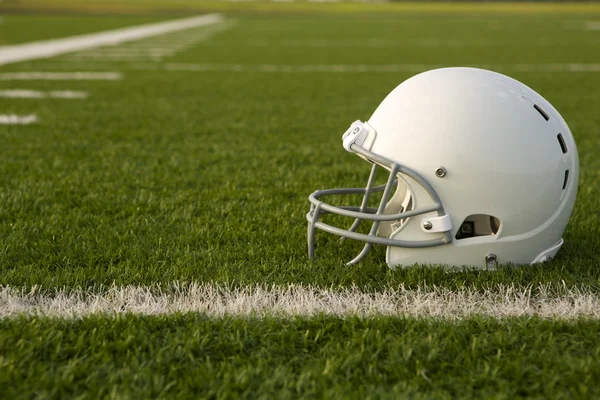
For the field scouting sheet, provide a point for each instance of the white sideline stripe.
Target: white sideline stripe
(13, 119)
(36, 94)
(51, 48)
(502, 301)
(386, 68)
(60, 76)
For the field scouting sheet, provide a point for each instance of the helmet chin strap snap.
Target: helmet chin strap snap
(437, 224)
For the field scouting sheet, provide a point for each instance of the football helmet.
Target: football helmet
(482, 170)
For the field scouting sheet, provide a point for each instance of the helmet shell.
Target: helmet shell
(499, 142)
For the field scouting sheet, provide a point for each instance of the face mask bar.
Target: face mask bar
(318, 208)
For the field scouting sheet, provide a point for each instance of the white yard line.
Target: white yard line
(67, 64)
(365, 68)
(161, 41)
(592, 25)
(124, 50)
(162, 46)
(298, 300)
(51, 48)
(385, 43)
(36, 94)
(295, 68)
(13, 119)
(571, 67)
(60, 76)
(115, 56)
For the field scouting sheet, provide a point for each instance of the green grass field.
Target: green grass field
(196, 167)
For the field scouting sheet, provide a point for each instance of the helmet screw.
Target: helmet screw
(356, 130)
(491, 259)
(427, 225)
(440, 172)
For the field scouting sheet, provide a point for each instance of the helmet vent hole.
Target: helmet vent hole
(563, 145)
(478, 225)
(566, 179)
(538, 108)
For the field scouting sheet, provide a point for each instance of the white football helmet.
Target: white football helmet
(483, 170)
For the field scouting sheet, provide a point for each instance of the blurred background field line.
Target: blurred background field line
(51, 48)
(359, 68)
(154, 48)
(14, 119)
(592, 25)
(337, 43)
(37, 94)
(60, 76)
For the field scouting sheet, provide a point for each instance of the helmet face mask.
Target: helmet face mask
(376, 215)
(466, 185)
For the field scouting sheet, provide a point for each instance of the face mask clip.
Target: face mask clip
(360, 134)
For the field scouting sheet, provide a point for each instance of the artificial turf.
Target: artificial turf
(191, 356)
(204, 176)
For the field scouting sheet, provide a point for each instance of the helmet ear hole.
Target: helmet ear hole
(478, 225)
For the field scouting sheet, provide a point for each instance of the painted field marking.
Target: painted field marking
(152, 49)
(13, 119)
(115, 56)
(126, 50)
(293, 68)
(385, 43)
(592, 25)
(501, 301)
(36, 94)
(60, 76)
(365, 68)
(51, 48)
(159, 41)
(67, 64)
